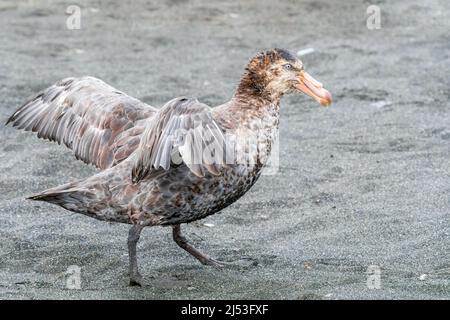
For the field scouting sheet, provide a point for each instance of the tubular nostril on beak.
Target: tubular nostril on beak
(310, 86)
(313, 81)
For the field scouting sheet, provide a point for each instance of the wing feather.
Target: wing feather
(186, 126)
(87, 115)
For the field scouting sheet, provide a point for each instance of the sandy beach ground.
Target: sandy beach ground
(363, 183)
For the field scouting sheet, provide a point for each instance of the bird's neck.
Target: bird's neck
(252, 116)
(252, 105)
(255, 88)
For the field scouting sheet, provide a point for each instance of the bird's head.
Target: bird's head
(277, 72)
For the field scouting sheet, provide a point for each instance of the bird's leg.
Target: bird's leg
(133, 238)
(183, 243)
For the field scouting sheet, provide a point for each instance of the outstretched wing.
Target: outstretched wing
(99, 123)
(183, 127)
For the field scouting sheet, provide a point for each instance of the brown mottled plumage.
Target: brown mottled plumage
(154, 168)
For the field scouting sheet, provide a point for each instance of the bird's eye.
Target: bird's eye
(288, 66)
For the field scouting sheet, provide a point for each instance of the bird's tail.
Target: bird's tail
(69, 198)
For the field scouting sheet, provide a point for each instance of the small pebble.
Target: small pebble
(78, 51)
(304, 52)
(380, 104)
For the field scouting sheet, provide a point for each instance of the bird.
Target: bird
(167, 166)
